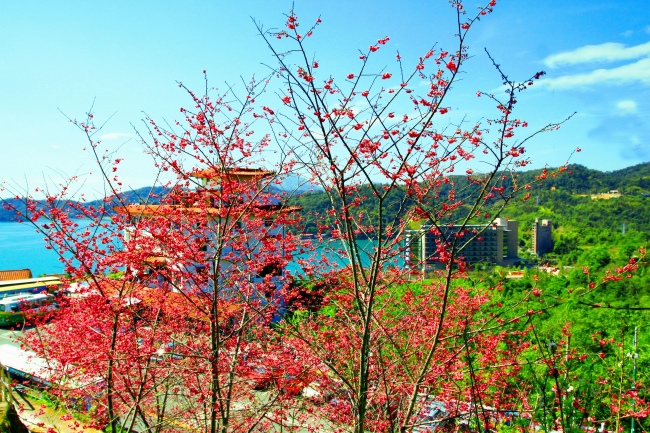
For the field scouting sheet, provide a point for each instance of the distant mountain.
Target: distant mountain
(147, 194)
(295, 184)
(578, 179)
(10, 207)
(582, 180)
(291, 185)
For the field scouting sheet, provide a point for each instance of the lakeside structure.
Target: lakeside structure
(542, 237)
(19, 281)
(494, 244)
(15, 274)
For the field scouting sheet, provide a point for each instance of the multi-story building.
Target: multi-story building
(542, 237)
(495, 243)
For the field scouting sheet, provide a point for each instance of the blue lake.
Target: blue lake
(22, 247)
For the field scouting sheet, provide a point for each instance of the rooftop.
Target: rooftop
(235, 173)
(15, 274)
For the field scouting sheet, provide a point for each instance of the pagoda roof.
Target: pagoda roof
(237, 173)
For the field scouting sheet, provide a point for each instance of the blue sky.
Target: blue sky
(127, 56)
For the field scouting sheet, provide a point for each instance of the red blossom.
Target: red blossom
(210, 261)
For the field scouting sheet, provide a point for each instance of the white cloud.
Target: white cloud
(626, 106)
(633, 73)
(115, 136)
(607, 52)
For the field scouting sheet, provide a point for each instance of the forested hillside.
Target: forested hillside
(582, 180)
(580, 222)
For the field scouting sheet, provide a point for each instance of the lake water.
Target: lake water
(22, 247)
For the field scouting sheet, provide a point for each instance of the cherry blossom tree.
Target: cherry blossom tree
(184, 309)
(169, 322)
(374, 136)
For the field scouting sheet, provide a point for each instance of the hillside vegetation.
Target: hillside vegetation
(579, 222)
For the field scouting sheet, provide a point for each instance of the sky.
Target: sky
(125, 59)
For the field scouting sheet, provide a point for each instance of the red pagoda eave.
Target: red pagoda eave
(236, 173)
